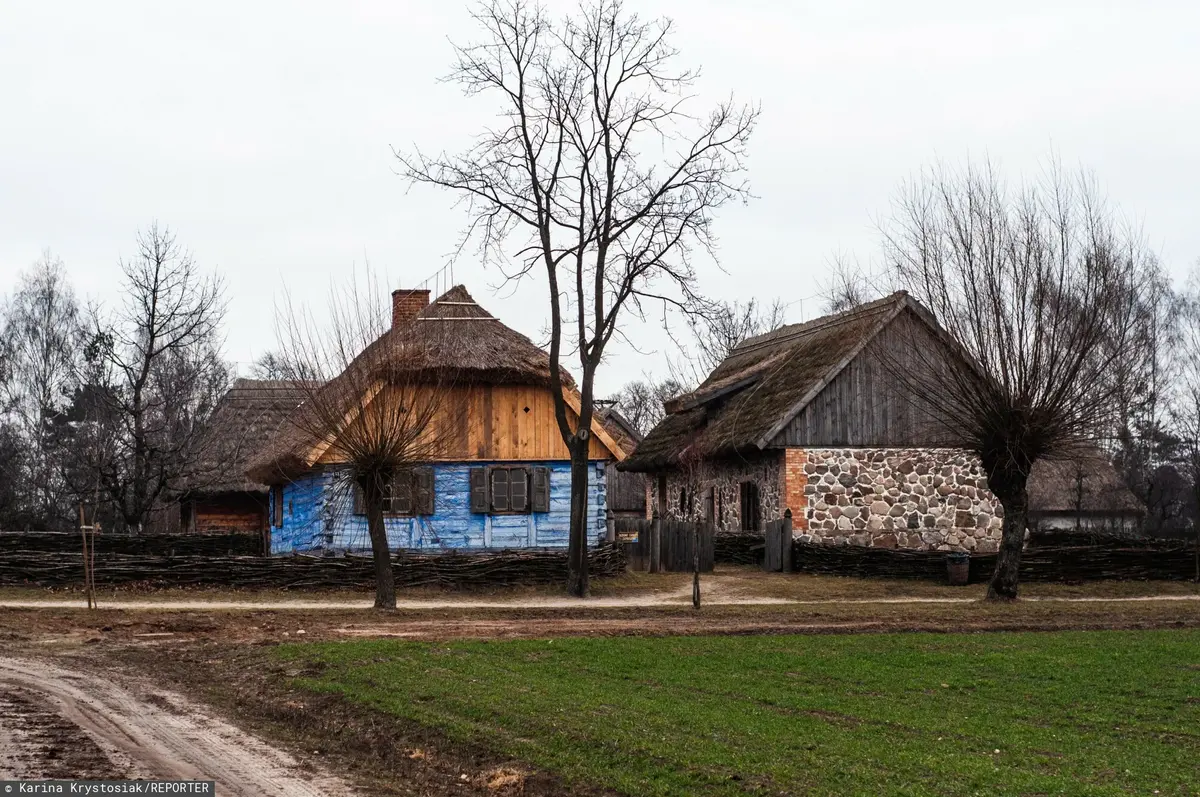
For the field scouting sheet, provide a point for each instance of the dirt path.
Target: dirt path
(61, 723)
(713, 596)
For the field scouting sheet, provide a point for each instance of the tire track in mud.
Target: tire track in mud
(57, 723)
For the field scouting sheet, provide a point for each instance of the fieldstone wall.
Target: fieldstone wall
(725, 479)
(932, 499)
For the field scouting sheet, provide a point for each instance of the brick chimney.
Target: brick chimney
(406, 304)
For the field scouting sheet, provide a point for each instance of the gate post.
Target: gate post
(655, 543)
(786, 541)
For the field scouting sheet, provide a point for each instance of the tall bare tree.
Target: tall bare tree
(1045, 295)
(1186, 399)
(641, 401)
(377, 397)
(157, 373)
(41, 333)
(716, 330)
(846, 286)
(598, 175)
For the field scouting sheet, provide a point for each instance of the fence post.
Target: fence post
(785, 541)
(655, 539)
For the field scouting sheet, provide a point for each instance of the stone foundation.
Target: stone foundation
(932, 499)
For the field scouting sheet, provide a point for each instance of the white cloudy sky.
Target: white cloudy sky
(261, 132)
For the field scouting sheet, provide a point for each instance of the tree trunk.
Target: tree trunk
(577, 553)
(1012, 540)
(385, 579)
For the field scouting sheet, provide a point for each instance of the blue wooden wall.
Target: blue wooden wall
(317, 515)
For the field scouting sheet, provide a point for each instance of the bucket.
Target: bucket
(958, 568)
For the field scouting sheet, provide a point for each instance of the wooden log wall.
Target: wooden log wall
(451, 570)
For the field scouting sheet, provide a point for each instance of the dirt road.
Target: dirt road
(57, 723)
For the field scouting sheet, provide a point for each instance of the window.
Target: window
(409, 493)
(750, 508)
(277, 506)
(510, 490)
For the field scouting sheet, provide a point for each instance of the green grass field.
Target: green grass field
(992, 714)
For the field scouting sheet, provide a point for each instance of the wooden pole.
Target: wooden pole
(660, 512)
(695, 565)
(785, 555)
(87, 579)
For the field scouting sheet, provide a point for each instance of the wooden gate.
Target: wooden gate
(778, 555)
(676, 547)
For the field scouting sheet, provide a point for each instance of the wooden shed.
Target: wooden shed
(217, 495)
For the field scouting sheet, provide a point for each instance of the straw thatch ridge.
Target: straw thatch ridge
(245, 420)
(453, 341)
(761, 384)
(1086, 483)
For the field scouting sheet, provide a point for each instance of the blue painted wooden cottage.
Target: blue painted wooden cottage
(500, 480)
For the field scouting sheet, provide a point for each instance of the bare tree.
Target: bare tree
(156, 373)
(1043, 294)
(1145, 446)
(378, 407)
(41, 333)
(598, 175)
(848, 286)
(715, 331)
(641, 401)
(1186, 398)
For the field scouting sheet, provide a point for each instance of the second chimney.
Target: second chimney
(406, 304)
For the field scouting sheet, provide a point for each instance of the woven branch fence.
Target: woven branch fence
(1061, 561)
(20, 542)
(450, 570)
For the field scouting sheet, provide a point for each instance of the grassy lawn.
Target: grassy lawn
(1061, 713)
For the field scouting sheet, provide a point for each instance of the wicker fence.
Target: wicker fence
(450, 570)
(23, 542)
(1052, 558)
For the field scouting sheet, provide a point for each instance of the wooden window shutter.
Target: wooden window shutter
(479, 491)
(360, 503)
(500, 490)
(401, 490)
(518, 489)
(423, 490)
(541, 490)
(277, 505)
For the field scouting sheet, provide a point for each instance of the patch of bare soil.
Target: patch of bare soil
(59, 723)
(383, 754)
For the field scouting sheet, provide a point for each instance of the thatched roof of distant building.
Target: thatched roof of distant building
(245, 420)
(763, 380)
(1085, 482)
(453, 340)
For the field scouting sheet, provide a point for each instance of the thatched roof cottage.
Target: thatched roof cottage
(217, 495)
(500, 478)
(811, 418)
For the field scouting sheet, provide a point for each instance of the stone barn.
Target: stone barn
(810, 418)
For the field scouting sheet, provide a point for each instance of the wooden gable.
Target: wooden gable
(864, 403)
(499, 423)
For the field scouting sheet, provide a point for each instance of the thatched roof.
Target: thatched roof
(618, 426)
(245, 419)
(765, 381)
(1086, 482)
(453, 340)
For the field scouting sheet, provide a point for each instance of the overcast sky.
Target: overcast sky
(262, 133)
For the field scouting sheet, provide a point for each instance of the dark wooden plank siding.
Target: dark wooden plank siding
(866, 404)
